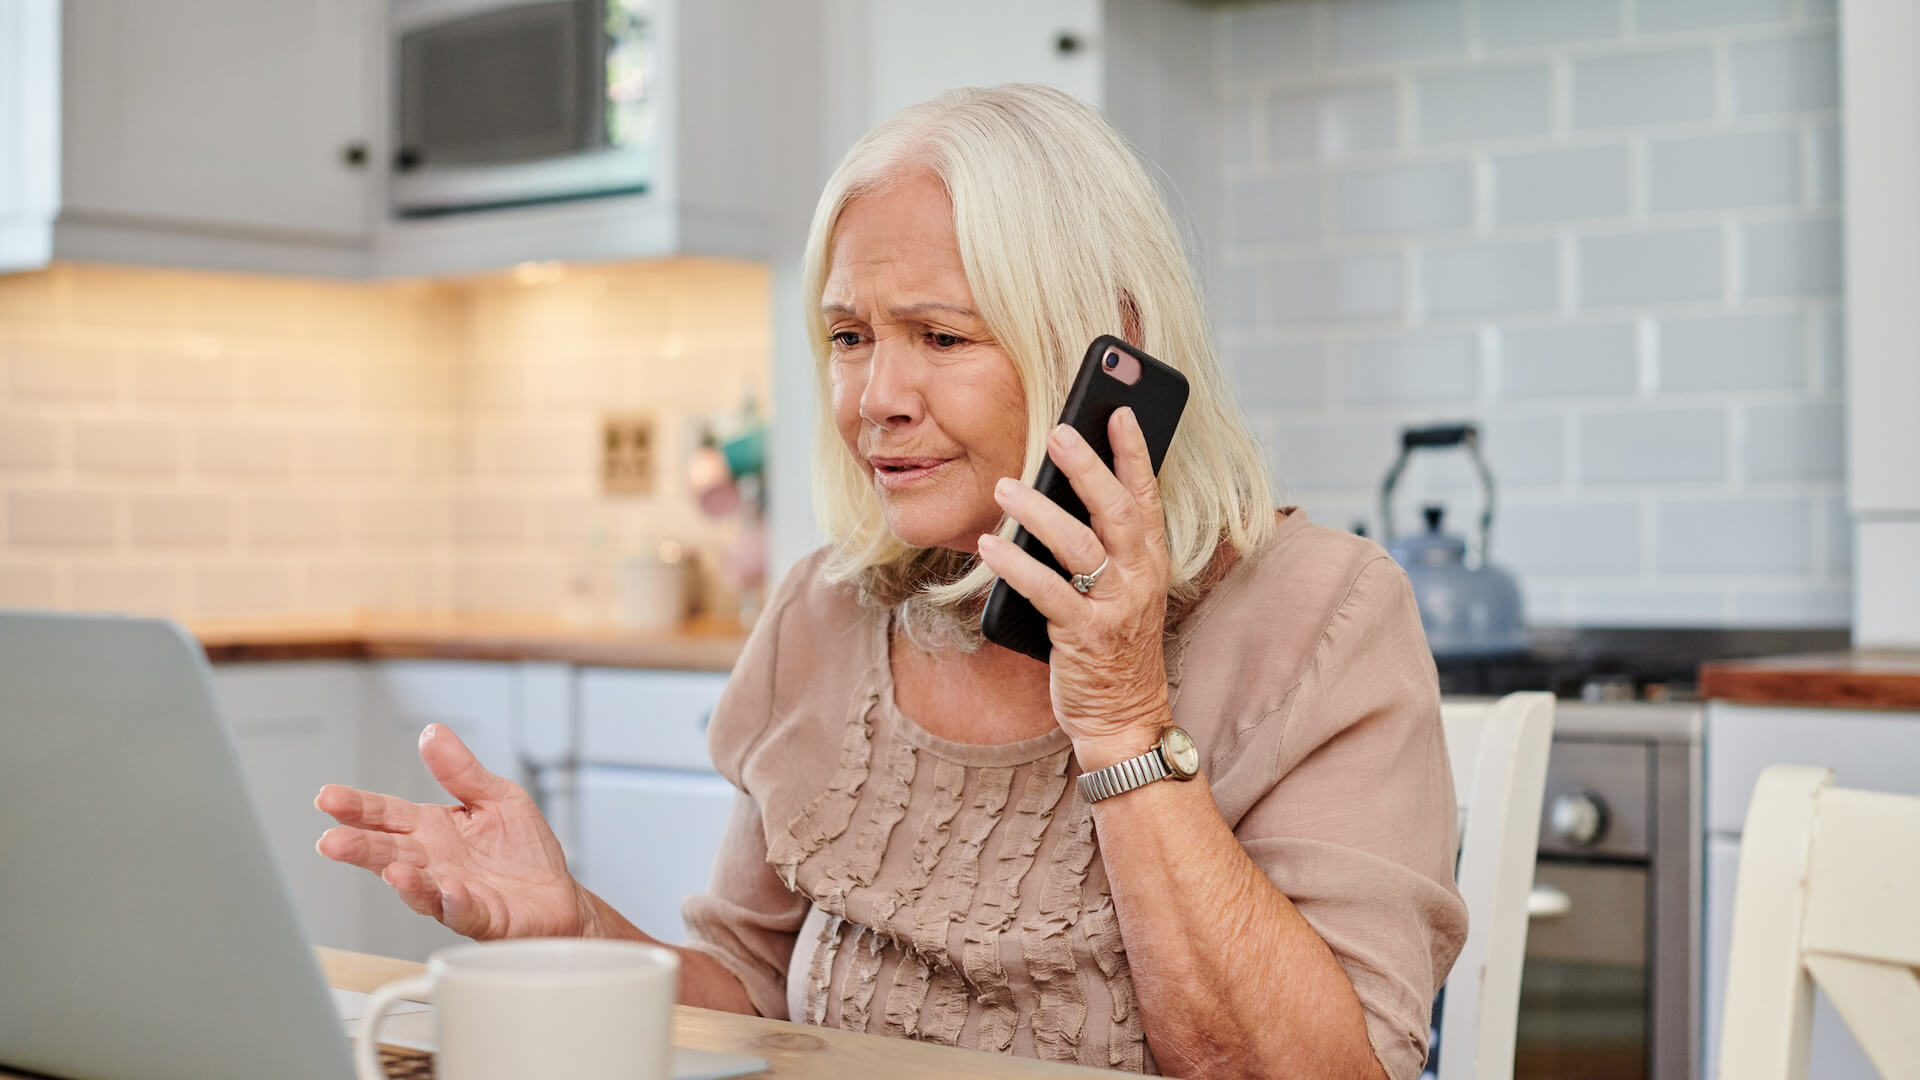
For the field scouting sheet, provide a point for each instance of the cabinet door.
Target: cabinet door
(478, 701)
(221, 112)
(647, 839)
(296, 727)
(918, 50)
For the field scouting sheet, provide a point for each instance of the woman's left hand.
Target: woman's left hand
(1108, 675)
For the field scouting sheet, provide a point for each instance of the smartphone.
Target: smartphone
(1112, 375)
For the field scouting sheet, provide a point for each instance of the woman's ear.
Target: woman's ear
(1130, 320)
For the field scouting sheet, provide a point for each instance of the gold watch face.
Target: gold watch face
(1182, 756)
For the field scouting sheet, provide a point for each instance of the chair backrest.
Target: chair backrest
(1829, 893)
(1499, 754)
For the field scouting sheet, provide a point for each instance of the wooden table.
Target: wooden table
(1860, 679)
(794, 1050)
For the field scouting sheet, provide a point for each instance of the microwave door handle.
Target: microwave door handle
(1547, 902)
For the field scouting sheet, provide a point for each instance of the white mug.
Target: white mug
(507, 1010)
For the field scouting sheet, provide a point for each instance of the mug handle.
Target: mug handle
(366, 1048)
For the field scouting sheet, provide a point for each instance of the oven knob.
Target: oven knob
(1580, 820)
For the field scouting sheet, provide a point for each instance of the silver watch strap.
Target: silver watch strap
(1123, 776)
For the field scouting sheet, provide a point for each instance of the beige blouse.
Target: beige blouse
(877, 877)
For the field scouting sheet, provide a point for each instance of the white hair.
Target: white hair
(1063, 237)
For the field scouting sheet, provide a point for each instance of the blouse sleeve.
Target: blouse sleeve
(1359, 829)
(747, 920)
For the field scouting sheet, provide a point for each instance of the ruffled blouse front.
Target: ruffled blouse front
(880, 878)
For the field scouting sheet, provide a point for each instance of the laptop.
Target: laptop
(145, 930)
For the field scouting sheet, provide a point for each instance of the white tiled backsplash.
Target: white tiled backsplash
(1608, 230)
(222, 445)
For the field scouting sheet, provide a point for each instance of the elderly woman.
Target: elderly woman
(909, 852)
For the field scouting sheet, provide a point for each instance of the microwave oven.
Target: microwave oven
(515, 102)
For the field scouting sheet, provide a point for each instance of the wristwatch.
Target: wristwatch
(1174, 757)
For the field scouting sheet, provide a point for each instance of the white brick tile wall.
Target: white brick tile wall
(1626, 605)
(1573, 360)
(29, 585)
(1651, 267)
(1786, 74)
(223, 448)
(1426, 367)
(206, 444)
(276, 521)
(69, 519)
(242, 589)
(138, 588)
(1734, 535)
(1278, 375)
(1526, 451)
(193, 520)
(1827, 179)
(201, 375)
(1518, 24)
(1491, 277)
(1793, 258)
(1766, 351)
(1331, 123)
(1794, 607)
(1837, 532)
(1796, 442)
(1319, 288)
(1662, 16)
(1653, 446)
(1633, 89)
(1385, 31)
(1268, 40)
(48, 371)
(1638, 304)
(1562, 185)
(1406, 198)
(1560, 538)
(28, 442)
(1347, 456)
(1485, 103)
(1275, 209)
(126, 447)
(1715, 172)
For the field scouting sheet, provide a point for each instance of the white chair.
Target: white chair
(1829, 893)
(1499, 754)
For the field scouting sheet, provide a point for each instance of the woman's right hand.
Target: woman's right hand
(487, 868)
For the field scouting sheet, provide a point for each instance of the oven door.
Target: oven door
(1585, 996)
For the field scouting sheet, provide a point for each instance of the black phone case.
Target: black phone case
(1157, 401)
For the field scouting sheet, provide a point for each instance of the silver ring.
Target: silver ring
(1083, 582)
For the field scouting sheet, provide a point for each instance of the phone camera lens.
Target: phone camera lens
(1112, 360)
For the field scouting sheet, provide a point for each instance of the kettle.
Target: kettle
(1467, 611)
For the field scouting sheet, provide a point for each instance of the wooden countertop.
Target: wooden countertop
(1858, 679)
(698, 646)
(793, 1050)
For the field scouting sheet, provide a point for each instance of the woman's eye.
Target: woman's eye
(942, 341)
(847, 339)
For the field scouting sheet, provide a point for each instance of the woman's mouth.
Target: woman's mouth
(895, 473)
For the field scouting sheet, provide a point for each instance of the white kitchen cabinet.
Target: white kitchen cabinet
(297, 727)
(189, 125)
(1871, 749)
(478, 702)
(29, 130)
(650, 810)
(917, 50)
(647, 838)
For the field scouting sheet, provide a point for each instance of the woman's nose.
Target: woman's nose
(892, 397)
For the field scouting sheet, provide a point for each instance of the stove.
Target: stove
(1611, 983)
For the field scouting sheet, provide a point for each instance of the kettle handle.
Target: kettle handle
(1434, 437)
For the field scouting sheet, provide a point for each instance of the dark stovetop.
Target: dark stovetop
(1623, 664)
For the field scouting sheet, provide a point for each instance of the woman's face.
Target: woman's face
(926, 401)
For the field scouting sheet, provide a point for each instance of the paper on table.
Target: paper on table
(410, 1025)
